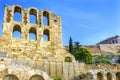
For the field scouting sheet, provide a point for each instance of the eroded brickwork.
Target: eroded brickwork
(38, 49)
(22, 58)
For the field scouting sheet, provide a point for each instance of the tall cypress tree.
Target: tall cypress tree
(70, 46)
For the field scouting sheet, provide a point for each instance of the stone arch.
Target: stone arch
(36, 77)
(89, 76)
(46, 18)
(82, 76)
(99, 76)
(17, 13)
(68, 59)
(16, 31)
(109, 76)
(118, 76)
(32, 33)
(10, 77)
(40, 73)
(33, 15)
(46, 35)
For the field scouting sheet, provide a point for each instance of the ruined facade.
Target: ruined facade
(26, 58)
(22, 46)
(111, 40)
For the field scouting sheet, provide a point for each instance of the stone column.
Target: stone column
(113, 76)
(94, 77)
(104, 77)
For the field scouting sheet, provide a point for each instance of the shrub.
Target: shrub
(57, 78)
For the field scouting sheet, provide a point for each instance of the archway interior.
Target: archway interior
(99, 76)
(36, 77)
(10, 77)
(109, 76)
(118, 76)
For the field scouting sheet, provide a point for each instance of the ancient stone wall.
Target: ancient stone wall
(23, 46)
(24, 69)
(94, 49)
(22, 58)
(109, 48)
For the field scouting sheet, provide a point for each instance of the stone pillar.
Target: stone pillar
(94, 77)
(104, 77)
(113, 76)
(118, 41)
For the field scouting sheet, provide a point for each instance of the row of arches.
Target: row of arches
(108, 76)
(17, 32)
(33, 15)
(14, 77)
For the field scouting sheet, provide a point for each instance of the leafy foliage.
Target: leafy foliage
(70, 46)
(103, 58)
(82, 54)
(57, 78)
(67, 59)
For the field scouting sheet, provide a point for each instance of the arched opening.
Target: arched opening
(17, 14)
(99, 76)
(68, 59)
(32, 34)
(10, 77)
(82, 76)
(36, 77)
(118, 76)
(45, 18)
(89, 76)
(109, 76)
(46, 35)
(33, 16)
(16, 31)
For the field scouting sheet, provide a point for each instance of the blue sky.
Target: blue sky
(86, 21)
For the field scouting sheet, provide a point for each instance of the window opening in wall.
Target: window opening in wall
(33, 16)
(17, 32)
(32, 19)
(113, 41)
(45, 21)
(46, 35)
(45, 18)
(17, 16)
(32, 34)
(55, 20)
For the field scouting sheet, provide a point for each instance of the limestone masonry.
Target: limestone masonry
(23, 58)
(24, 47)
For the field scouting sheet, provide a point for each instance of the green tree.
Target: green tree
(105, 59)
(82, 54)
(70, 46)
